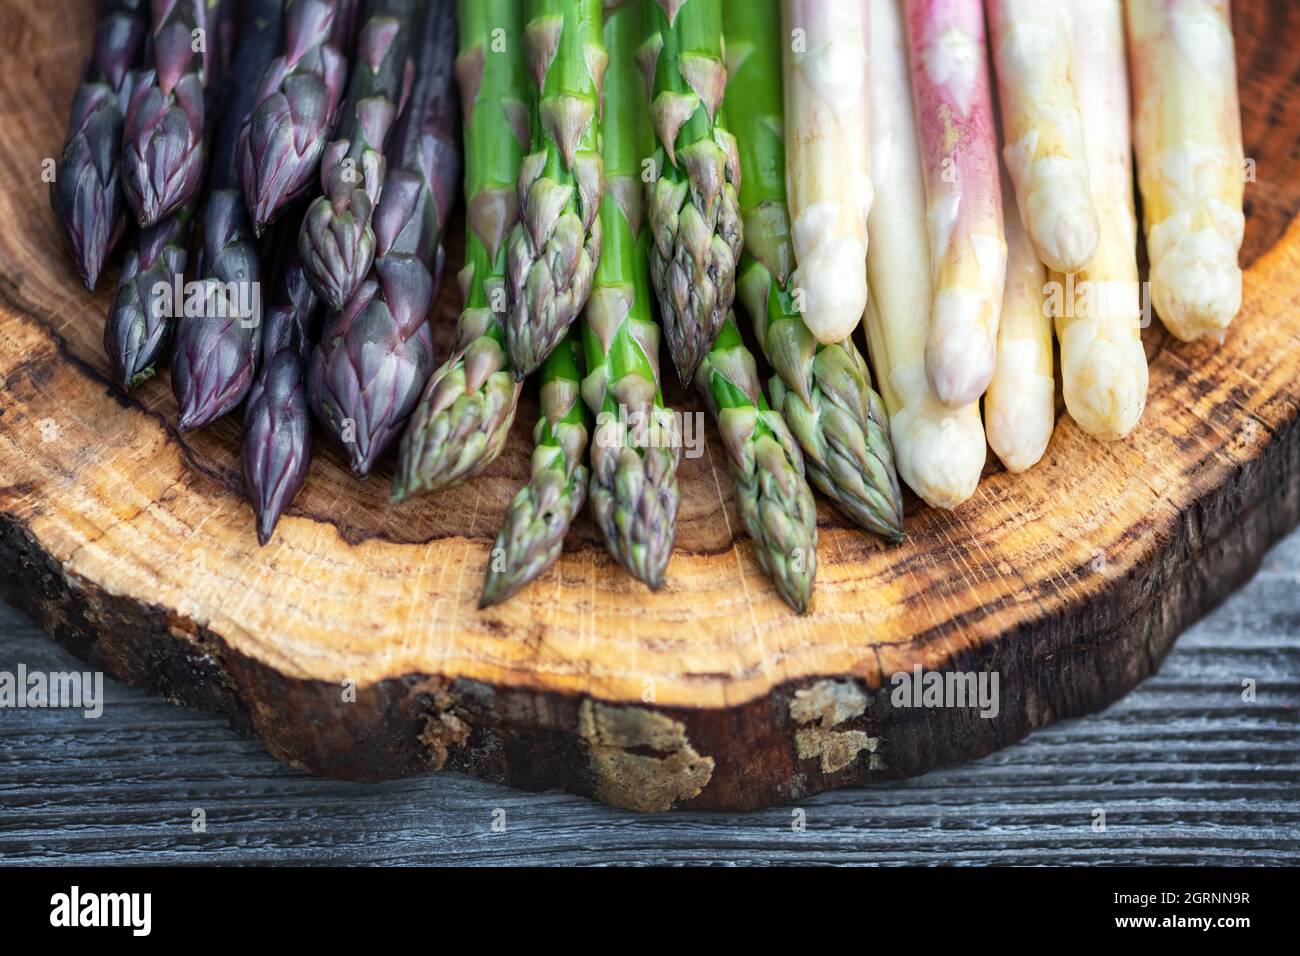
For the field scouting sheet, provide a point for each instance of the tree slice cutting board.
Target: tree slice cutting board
(351, 645)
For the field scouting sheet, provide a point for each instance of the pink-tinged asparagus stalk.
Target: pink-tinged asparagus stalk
(1043, 130)
(1187, 130)
(954, 115)
(939, 451)
(1098, 309)
(827, 159)
(1020, 405)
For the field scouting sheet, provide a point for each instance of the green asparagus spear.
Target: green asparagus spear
(553, 251)
(693, 208)
(636, 450)
(772, 495)
(542, 510)
(460, 423)
(824, 391)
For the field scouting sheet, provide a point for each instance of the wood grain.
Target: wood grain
(132, 545)
(1186, 771)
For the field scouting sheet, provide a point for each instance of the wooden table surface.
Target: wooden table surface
(1184, 770)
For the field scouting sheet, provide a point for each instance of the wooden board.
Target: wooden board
(132, 545)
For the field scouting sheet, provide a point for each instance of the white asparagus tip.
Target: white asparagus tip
(1066, 237)
(1108, 391)
(1020, 425)
(833, 281)
(941, 459)
(1196, 285)
(959, 356)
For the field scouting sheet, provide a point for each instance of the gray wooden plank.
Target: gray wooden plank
(1185, 770)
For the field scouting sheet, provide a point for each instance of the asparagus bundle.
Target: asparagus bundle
(1020, 405)
(337, 242)
(1098, 312)
(773, 498)
(827, 158)
(552, 252)
(375, 356)
(939, 450)
(1187, 130)
(539, 516)
(637, 449)
(163, 135)
(276, 448)
(297, 103)
(139, 326)
(215, 354)
(460, 423)
(824, 391)
(693, 207)
(1039, 96)
(954, 116)
(87, 195)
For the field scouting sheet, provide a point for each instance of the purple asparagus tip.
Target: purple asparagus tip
(162, 161)
(277, 440)
(299, 97)
(369, 369)
(138, 328)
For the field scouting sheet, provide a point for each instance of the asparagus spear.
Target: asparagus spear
(1039, 96)
(337, 242)
(634, 457)
(542, 510)
(1187, 130)
(950, 86)
(139, 326)
(215, 354)
(693, 207)
(163, 137)
(1099, 312)
(297, 103)
(276, 450)
(824, 391)
(1020, 405)
(552, 252)
(766, 466)
(828, 162)
(460, 423)
(940, 451)
(375, 356)
(86, 195)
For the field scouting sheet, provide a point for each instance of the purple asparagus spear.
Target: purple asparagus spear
(277, 426)
(214, 357)
(375, 356)
(297, 104)
(139, 324)
(87, 195)
(162, 142)
(337, 241)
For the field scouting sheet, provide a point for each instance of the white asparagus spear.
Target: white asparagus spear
(827, 162)
(1098, 310)
(1042, 129)
(939, 451)
(1020, 405)
(959, 155)
(1187, 130)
